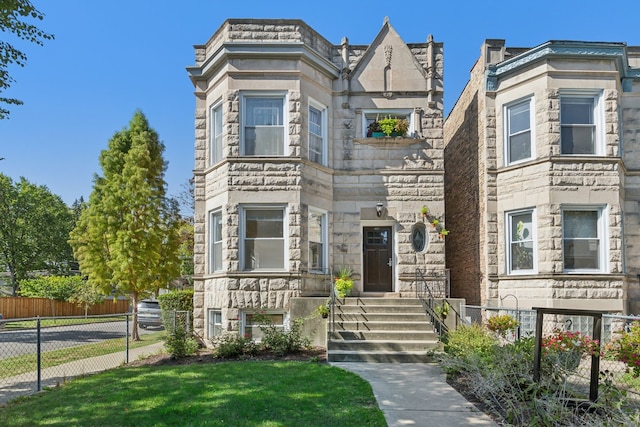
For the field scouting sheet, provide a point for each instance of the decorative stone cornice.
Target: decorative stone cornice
(565, 49)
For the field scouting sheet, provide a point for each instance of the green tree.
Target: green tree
(86, 295)
(34, 228)
(59, 288)
(127, 238)
(185, 251)
(12, 20)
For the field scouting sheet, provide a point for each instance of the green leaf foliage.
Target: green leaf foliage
(127, 237)
(179, 300)
(60, 288)
(34, 229)
(14, 16)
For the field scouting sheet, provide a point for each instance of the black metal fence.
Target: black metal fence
(566, 331)
(45, 352)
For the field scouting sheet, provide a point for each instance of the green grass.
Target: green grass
(27, 362)
(264, 394)
(46, 322)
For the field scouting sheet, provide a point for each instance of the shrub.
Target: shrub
(278, 340)
(59, 288)
(468, 340)
(626, 348)
(502, 324)
(180, 343)
(231, 345)
(178, 300)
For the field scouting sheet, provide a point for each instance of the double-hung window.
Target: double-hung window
(263, 125)
(215, 146)
(263, 238)
(580, 126)
(317, 224)
(583, 232)
(521, 256)
(317, 133)
(519, 135)
(215, 242)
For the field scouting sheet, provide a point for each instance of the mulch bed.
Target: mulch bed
(317, 354)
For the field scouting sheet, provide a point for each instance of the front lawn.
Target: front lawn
(265, 394)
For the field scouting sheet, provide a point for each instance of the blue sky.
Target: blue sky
(111, 58)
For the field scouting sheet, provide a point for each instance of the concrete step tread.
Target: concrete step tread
(365, 352)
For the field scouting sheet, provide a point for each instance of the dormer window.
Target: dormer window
(376, 122)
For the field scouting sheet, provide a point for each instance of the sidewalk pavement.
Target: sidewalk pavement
(417, 394)
(25, 384)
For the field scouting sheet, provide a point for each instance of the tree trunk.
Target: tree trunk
(135, 336)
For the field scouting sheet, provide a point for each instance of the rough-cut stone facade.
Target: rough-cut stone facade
(352, 82)
(482, 188)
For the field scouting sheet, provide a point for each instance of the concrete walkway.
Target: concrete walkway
(417, 394)
(25, 384)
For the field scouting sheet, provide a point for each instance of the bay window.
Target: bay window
(521, 242)
(583, 231)
(263, 125)
(263, 238)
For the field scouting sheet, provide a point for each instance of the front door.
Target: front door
(378, 259)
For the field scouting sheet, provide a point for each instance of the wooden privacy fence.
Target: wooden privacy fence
(21, 307)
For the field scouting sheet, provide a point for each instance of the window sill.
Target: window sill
(389, 140)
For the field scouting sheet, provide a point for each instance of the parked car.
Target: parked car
(149, 314)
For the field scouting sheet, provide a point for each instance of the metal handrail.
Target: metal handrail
(428, 302)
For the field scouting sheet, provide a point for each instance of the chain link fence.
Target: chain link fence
(45, 352)
(565, 331)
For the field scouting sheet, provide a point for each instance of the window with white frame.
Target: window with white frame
(317, 133)
(263, 238)
(215, 323)
(518, 131)
(251, 323)
(371, 116)
(521, 242)
(580, 124)
(215, 148)
(215, 241)
(583, 232)
(263, 124)
(317, 240)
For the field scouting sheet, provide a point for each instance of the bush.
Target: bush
(181, 343)
(59, 288)
(278, 340)
(469, 340)
(179, 300)
(502, 324)
(231, 345)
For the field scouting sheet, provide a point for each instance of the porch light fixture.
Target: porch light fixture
(379, 206)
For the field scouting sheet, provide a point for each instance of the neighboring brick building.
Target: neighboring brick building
(542, 159)
(287, 178)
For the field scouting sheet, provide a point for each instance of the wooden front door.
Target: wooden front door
(378, 258)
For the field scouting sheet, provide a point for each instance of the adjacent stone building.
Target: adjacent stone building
(290, 182)
(542, 159)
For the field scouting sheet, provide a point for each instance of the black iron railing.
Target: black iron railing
(430, 289)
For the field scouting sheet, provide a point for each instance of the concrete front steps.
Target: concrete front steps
(383, 330)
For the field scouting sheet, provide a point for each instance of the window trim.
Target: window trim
(211, 323)
(285, 233)
(323, 110)
(212, 242)
(508, 239)
(325, 240)
(214, 155)
(381, 113)
(507, 133)
(602, 236)
(598, 119)
(285, 119)
(243, 322)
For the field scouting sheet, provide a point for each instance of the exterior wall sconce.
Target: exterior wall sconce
(379, 207)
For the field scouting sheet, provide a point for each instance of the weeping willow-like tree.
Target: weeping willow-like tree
(126, 239)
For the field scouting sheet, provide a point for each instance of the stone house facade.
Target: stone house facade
(290, 185)
(542, 159)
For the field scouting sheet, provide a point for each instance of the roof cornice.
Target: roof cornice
(565, 49)
(260, 50)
